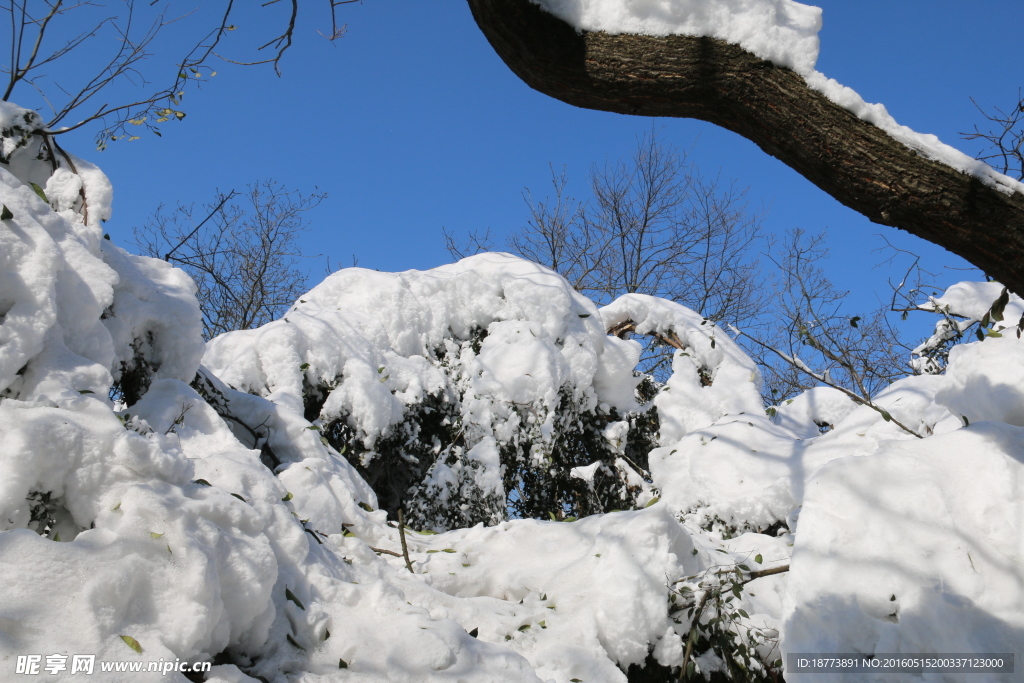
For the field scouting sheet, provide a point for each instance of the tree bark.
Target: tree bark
(703, 78)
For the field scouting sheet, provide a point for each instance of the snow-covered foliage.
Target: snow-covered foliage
(456, 391)
(783, 32)
(229, 502)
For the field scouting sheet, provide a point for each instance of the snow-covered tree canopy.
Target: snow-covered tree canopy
(234, 503)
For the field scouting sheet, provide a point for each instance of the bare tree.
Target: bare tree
(243, 258)
(654, 226)
(98, 50)
(1004, 137)
(814, 341)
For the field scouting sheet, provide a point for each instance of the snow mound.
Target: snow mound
(903, 552)
(806, 414)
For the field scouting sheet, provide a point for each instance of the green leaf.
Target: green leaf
(304, 367)
(291, 596)
(132, 643)
(744, 614)
(432, 551)
(524, 627)
(56, 537)
(854, 320)
(448, 550)
(993, 333)
(584, 315)
(758, 558)
(153, 534)
(39, 191)
(342, 664)
(475, 632)
(116, 508)
(287, 498)
(886, 416)
(292, 641)
(238, 496)
(6, 214)
(652, 502)
(1000, 305)
(86, 391)
(366, 506)
(202, 482)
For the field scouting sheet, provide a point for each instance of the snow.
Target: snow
(209, 516)
(901, 553)
(783, 32)
(731, 381)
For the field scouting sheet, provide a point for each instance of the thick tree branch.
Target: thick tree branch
(703, 78)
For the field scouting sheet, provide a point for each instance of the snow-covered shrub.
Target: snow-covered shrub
(458, 393)
(987, 305)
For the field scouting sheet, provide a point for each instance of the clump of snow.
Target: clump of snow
(781, 31)
(711, 376)
(77, 189)
(985, 381)
(972, 300)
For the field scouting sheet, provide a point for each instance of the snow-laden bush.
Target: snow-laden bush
(237, 513)
(458, 393)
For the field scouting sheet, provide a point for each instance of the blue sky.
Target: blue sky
(411, 122)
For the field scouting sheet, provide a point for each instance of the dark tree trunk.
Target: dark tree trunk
(708, 79)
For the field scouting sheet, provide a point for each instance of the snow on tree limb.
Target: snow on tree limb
(970, 211)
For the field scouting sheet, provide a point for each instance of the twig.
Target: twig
(401, 535)
(853, 396)
(380, 551)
